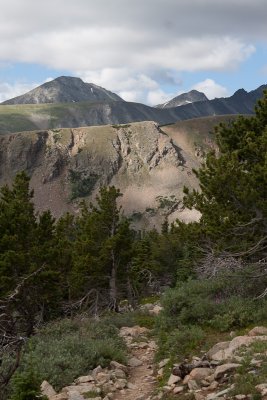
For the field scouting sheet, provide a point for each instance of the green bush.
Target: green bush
(207, 303)
(26, 386)
(179, 343)
(66, 349)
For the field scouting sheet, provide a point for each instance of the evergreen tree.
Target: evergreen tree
(103, 247)
(233, 197)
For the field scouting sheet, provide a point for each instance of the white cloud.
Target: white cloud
(124, 46)
(211, 89)
(8, 91)
(158, 96)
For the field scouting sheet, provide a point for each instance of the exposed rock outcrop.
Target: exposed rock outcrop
(67, 165)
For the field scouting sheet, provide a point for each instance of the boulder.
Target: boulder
(116, 365)
(192, 385)
(198, 374)
(225, 369)
(84, 379)
(119, 374)
(133, 331)
(217, 351)
(164, 362)
(134, 362)
(225, 350)
(173, 379)
(262, 388)
(178, 389)
(214, 396)
(258, 331)
(47, 390)
(60, 396)
(83, 388)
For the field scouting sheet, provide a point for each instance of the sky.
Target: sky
(146, 51)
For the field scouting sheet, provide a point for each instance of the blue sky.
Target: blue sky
(146, 51)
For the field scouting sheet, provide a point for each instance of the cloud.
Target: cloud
(132, 48)
(8, 91)
(211, 89)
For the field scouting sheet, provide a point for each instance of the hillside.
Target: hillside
(149, 164)
(26, 117)
(65, 89)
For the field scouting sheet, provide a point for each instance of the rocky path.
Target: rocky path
(141, 382)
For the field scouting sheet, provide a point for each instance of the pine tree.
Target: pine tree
(103, 246)
(233, 197)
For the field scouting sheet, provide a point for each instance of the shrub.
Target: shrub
(179, 342)
(26, 386)
(70, 348)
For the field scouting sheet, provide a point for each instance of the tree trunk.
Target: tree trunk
(113, 284)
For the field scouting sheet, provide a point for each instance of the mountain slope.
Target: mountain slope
(184, 99)
(65, 89)
(15, 118)
(66, 165)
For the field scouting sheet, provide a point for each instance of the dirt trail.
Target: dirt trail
(141, 382)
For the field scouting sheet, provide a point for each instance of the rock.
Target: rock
(74, 395)
(131, 386)
(119, 374)
(217, 349)
(225, 350)
(103, 377)
(204, 383)
(213, 385)
(83, 388)
(84, 379)
(240, 397)
(133, 331)
(178, 389)
(134, 362)
(166, 389)
(160, 372)
(60, 396)
(121, 384)
(173, 379)
(116, 365)
(210, 378)
(262, 388)
(96, 370)
(155, 310)
(186, 379)
(225, 369)
(213, 396)
(163, 363)
(47, 389)
(257, 331)
(199, 396)
(192, 385)
(198, 374)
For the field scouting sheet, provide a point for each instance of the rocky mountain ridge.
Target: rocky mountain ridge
(65, 89)
(22, 117)
(184, 99)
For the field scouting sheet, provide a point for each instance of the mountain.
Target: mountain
(26, 117)
(183, 99)
(65, 89)
(149, 164)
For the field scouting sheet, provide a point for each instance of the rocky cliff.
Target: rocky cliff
(148, 165)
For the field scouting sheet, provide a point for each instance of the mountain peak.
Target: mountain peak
(185, 98)
(65, 89)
